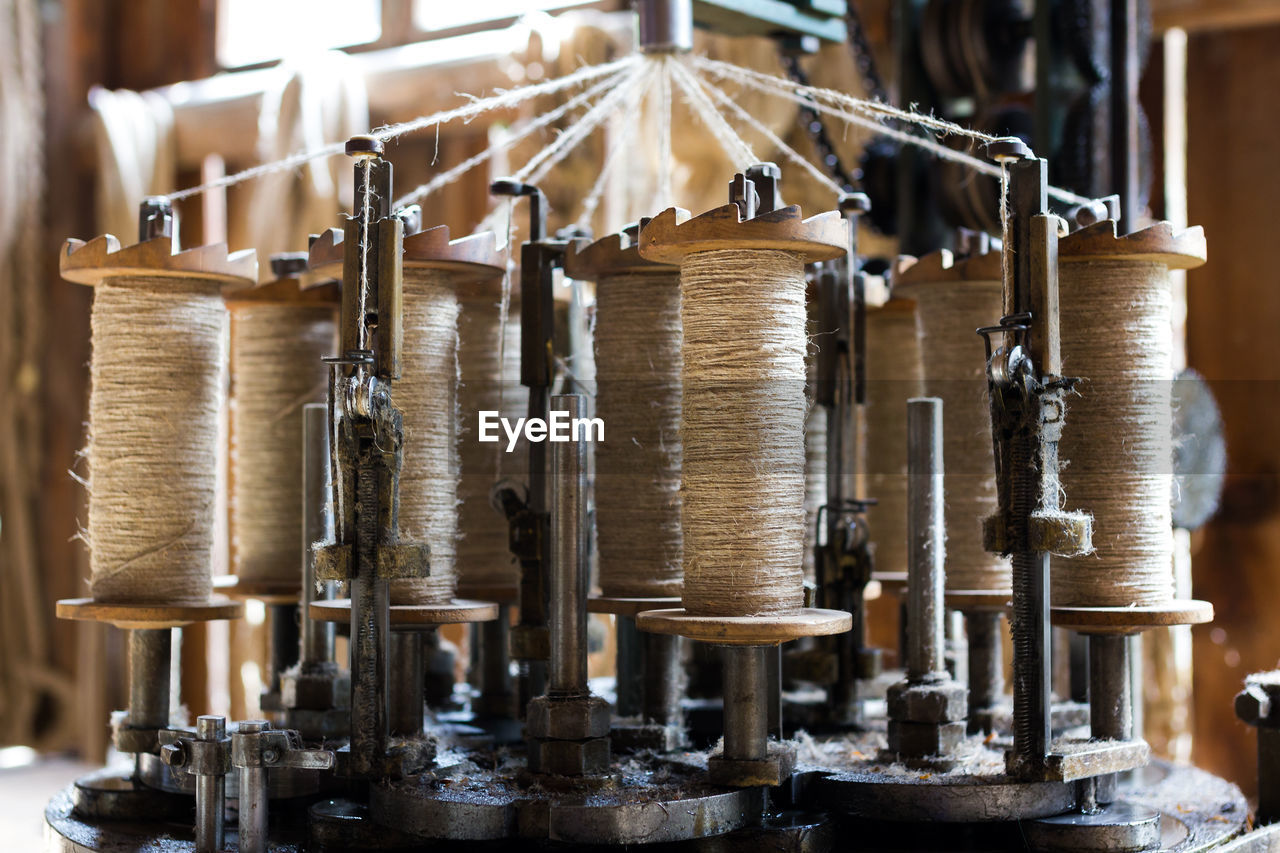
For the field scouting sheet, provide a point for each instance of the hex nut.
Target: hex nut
(569, 757)
(647, 737)
(576, 718)
(1259, 703)
(919, 740)
(773, 770)
(173, 754)
(943, 701)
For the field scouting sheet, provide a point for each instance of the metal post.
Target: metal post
(495, 665)
(926, 530)
(253, 798)
(1110, 698)
(986, 667)
(568, 609)
(631, 668)
(211, 791)
(1125, 74)
(150, 656)
(665, 26)
(317, 526)
(406, 686)
(285, 644)
(370, 629)
(746, 712)
(663, 679)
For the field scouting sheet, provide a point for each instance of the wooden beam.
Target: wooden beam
(1205, 15)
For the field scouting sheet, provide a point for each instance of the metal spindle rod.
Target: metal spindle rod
(569, 555)
(1110, 697)
(370, 630)
(665, 26)
(211, 791)
(632, 664)
(925, 539)
(253, 798)
(150, 656)
(746, 707)
(407, 685)
(495, 665)
(317, 526)
(663, 679)
(986, 666)
(285, 645)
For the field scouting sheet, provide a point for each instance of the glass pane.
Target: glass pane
(251, 31)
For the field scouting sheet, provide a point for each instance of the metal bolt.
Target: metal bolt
(270, 756)
(1007, 149)
(1253, 705)
(855, 203)
(288, 264)
(363, 145)
(173, 754)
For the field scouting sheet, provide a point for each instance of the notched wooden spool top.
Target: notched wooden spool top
(102, 259)
(669, 238)
(1178, 250)
(672, 235)
(453, 612)
(290, 290)
(943, 266)
(471, 259)
(611, 255)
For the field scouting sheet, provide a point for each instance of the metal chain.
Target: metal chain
(871, 81)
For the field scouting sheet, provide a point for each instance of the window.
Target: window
(250, 32)
(435, 15)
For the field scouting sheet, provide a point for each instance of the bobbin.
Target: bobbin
(466, 261)
(290, 287)
(1177, 250)
(649, 668)
(150, 640)
(748, 759)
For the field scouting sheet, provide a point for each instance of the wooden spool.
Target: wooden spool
(917, 280)
(1177, 250)
(670, 238)
(604, 262)
(102, 259)
(467, 261)
(304, 291)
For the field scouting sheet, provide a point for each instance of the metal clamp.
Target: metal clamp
(207, 756)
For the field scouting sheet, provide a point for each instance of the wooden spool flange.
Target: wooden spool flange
(619, 606)
(142, 616)
(613, 254)
(291, 290)
(456, 612)
(942, 266)
(1132, 620)
(270, 592)
(102, 259)
(746, 630)
(672, 235)
(470, 260)
(892, 583)
(1178, 250)
(978, 600)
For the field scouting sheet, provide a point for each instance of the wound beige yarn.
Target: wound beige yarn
(1117, 450)
(637, 354)
(156, 372)
(276, 369)
(893, 377)
(815, 451)
(947, 315)
(485, 384)
(742, 430)
(427, 395)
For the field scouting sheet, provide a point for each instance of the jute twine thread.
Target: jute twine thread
(156, 373)
(742, 429)
(485, 384)
(638, 364)
(893, 377)
(947, 313)
(1117, 336)
(427, 395)
(276, 369)
(815, 447)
